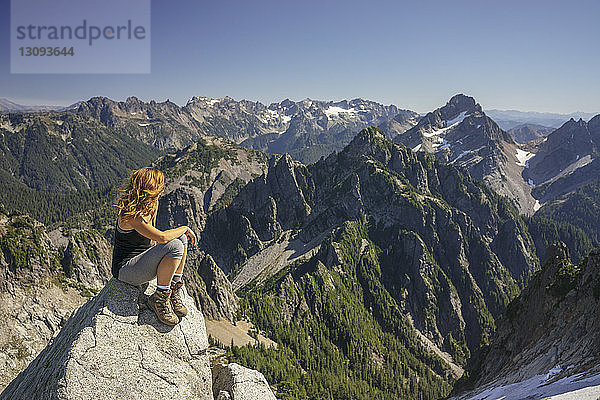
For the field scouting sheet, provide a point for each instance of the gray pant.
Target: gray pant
(143, 267)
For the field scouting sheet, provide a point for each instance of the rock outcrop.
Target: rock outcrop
(232, 381)
(113, 347)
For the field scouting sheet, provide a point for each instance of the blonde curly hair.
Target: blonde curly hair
(139, 194)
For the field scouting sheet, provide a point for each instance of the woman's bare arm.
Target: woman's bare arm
(153, 242)
(146, 229)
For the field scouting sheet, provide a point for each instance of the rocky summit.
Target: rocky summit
(115, 348)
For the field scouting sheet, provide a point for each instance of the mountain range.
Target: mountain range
(307, 129)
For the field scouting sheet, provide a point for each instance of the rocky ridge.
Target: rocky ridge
(549, 329)
(203, 178)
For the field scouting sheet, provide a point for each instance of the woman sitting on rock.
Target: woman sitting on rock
(141, 252)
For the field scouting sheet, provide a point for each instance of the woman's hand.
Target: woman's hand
(191, 236)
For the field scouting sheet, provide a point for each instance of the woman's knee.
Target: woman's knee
(183, 239)
(174, 248)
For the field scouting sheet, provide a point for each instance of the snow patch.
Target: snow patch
(335, 111)
(440, 143)
(9, 127)
(140, 124)
(457, 120)
(211, 102)
(436, 133)
(417, 147)
(522, 157)
(205, 100)
(58, 122)
(537, 206)
(449, 125)
(445, 145)
(286, 118)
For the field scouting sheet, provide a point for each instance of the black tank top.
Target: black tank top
(126, 244)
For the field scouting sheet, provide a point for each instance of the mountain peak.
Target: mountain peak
(461, 98)
(458, 104)
(369, 135)
(368, 142)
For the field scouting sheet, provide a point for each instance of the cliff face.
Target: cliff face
(212, 290)
(31, 316)
(552, 327)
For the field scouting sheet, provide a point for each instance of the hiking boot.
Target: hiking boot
(176, 301)
(160, 303)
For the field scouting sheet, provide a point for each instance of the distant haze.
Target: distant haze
(508, 119)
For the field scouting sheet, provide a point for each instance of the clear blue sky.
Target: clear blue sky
(517, 54)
